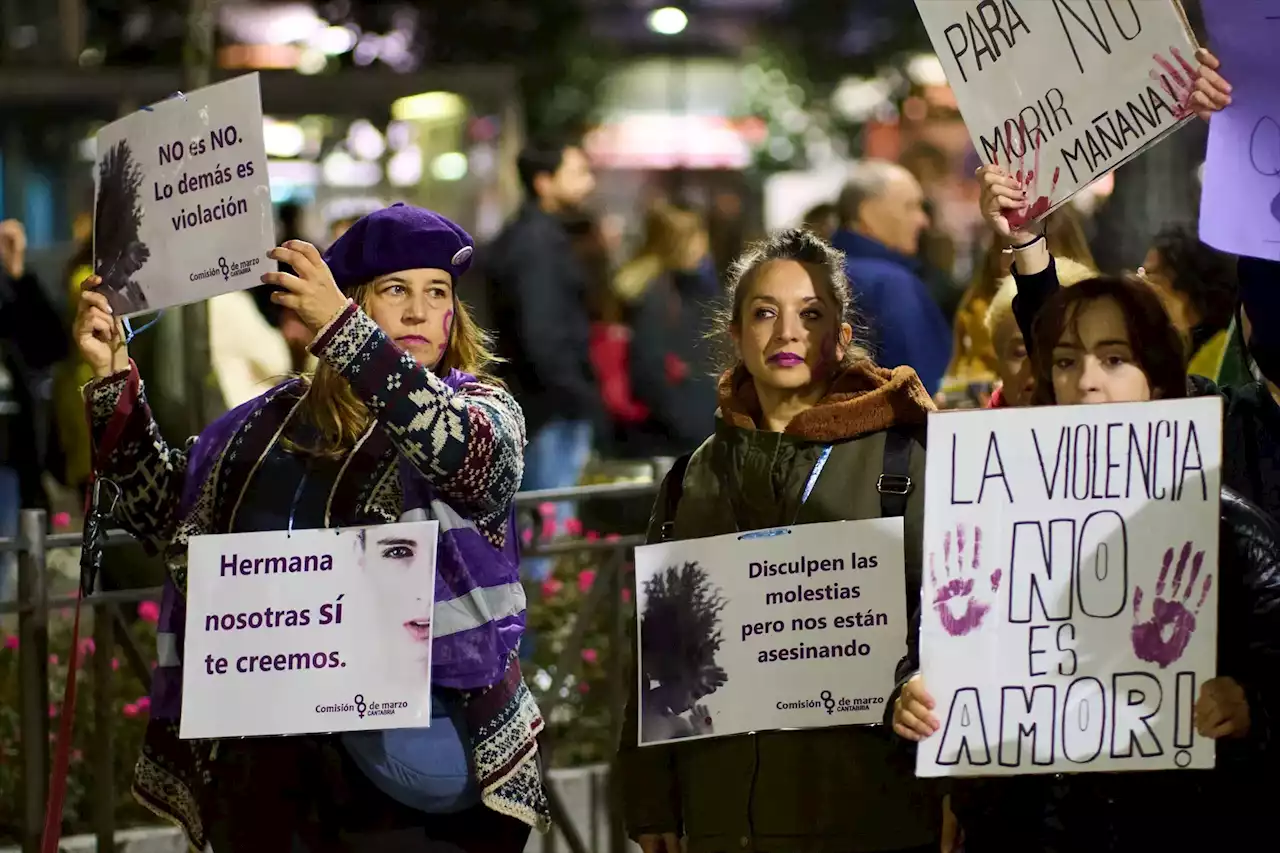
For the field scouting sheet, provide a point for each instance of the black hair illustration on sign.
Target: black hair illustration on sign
(119, 252)
(679, 638)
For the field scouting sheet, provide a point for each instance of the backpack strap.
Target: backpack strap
(675, 488)
(895, 483)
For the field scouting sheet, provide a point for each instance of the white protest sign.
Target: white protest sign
(1070, 592)
(1063, 91)
(309, 631)
(183, 207)
(798, 627)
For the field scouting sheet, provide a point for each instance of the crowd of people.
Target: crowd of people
(827, 350)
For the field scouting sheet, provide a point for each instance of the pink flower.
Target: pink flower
(88, 646)
(61, 520)
(573, 527)
(115, 663)
(590, 655)
(626, 595)
(129, 710)
(53, 660)
(592, 536)
(77, 755)
(149, 611)
(613, 537)
(551, 588)
(526, 536)
(586, 578)
(548, 513)
(11, 641)
(53, 710)
(144, 703)
(583, 687)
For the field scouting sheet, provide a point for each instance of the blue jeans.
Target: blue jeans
(554, 459)
(10, 497)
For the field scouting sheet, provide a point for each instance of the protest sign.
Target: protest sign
(1240, 204)
(309, 631)
(183, 207)
(1061, 92)
(1070, 594)
(798, 627)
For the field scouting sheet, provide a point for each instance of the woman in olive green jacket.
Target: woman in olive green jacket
(798, 384)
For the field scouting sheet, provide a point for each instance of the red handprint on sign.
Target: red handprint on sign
(1179, 84)
(1036, 205)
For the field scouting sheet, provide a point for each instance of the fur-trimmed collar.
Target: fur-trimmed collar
(863, 399)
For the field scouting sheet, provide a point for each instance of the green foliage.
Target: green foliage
(127, 711)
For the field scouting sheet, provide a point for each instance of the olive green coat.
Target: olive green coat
(835, 790)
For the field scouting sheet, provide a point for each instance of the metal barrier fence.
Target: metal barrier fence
(34, 604)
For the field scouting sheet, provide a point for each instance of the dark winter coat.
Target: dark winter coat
(832, 790)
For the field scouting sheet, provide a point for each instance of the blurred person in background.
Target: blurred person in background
(73, 372)
(931, 167)
(975, 359)
(32, 340)
(882, 215)
(1199, 284)
(1013, 371)
(538, 304)
(667, 293)
(823, 220)
(249, 354)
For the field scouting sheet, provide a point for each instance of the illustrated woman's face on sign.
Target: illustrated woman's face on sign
(789, 332)
(1093, 360)
(415, 309)
(397, 566)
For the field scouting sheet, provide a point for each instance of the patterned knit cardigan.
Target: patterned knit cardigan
(463, 438)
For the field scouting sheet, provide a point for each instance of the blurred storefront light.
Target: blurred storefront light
(926, 69)
(343, 170)
(283, 138)
(335, 41)
(668, 21)
(429, 106)
(404, 169)
(365, 141)
(312, 61)
(450, 166)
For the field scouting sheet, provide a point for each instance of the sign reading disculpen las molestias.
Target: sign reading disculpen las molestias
(798, 627)
(183, 205)
(1070, 593)
(1061, 92)
(309, 631)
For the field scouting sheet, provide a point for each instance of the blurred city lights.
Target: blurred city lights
(668, 21)
(428, 106)
(282, 138)
(335, 41)
(451, 166)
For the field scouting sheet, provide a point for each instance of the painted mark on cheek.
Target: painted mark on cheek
(448, 323)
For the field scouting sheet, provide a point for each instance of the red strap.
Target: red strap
(62, 747)
(66, 724)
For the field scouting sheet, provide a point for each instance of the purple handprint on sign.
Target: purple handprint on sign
(959, 608)
(1164, 637)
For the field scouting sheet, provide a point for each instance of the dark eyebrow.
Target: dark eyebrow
(398, 541)
(1112, 343)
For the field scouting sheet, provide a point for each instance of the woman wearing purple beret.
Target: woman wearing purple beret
(400, 422)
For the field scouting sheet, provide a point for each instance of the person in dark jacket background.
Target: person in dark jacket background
(668, 291)
(32, 340)
(538, 311)
(882, 216)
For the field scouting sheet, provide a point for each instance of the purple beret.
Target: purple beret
(396, 238)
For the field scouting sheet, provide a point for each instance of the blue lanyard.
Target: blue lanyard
(813, 475)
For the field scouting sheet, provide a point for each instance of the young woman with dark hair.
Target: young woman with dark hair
(1111, 339)
(799, 398)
